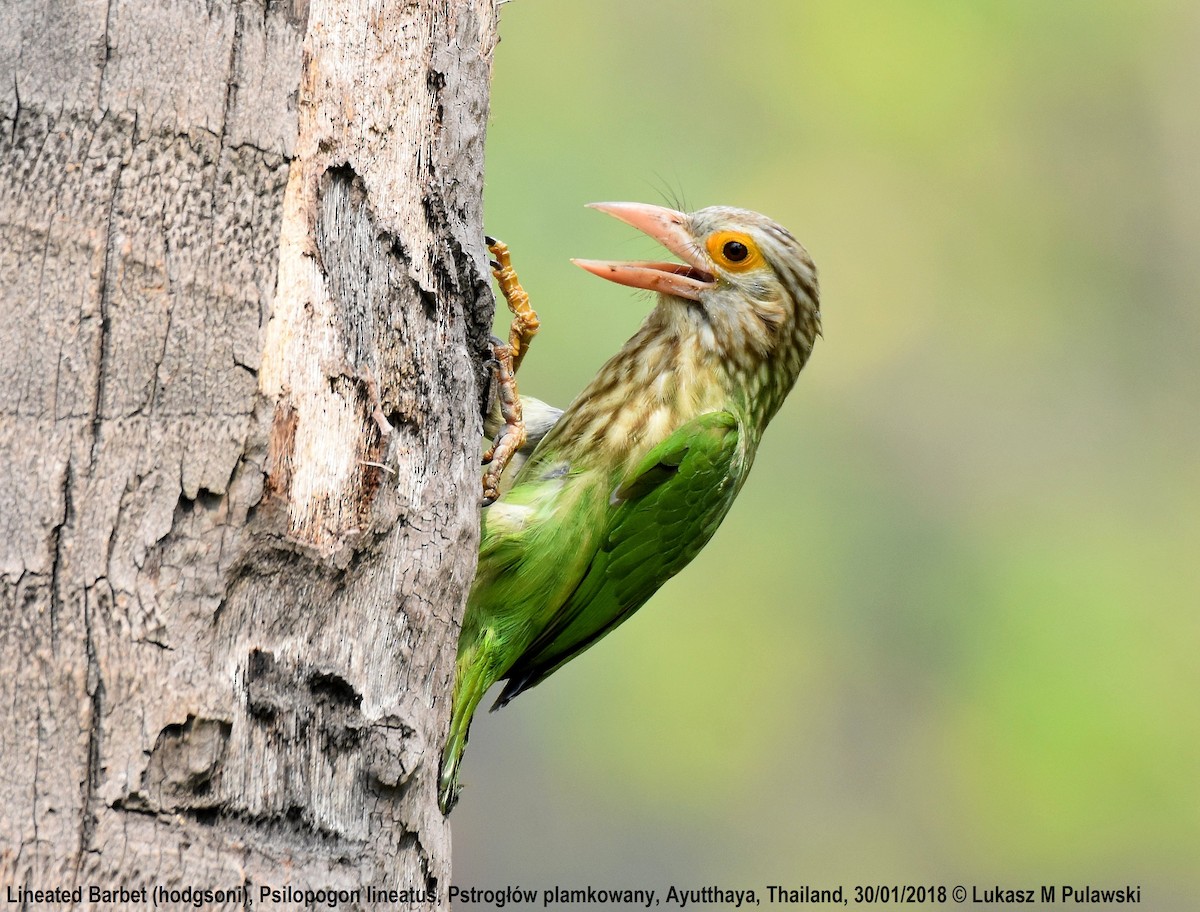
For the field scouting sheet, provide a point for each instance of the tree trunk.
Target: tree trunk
(244, 300)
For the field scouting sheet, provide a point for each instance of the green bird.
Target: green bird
(632, 480)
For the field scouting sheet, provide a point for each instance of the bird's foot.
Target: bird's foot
(511, 435)
(525, 323)
(507, 358)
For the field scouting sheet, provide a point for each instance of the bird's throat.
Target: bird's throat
(658, 381)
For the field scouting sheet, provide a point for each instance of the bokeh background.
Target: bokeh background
(950, 630)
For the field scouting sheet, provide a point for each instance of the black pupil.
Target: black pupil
(735, 251)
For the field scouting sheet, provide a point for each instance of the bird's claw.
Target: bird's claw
(511, 435)
(525, 323)
(506, 358)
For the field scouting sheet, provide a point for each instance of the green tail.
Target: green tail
(471, 682)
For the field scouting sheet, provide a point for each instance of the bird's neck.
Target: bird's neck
(674, 368)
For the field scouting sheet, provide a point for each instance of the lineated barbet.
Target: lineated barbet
(632, 480)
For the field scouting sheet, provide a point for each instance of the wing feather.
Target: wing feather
(662, 514)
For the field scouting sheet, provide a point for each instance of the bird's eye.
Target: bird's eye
(734, 251)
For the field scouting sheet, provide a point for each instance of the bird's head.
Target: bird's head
(746, 289)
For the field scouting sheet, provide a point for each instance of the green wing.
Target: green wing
(661, 515)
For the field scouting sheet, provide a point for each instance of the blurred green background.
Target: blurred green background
(950, 630)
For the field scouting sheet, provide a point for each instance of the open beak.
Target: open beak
(683, 280)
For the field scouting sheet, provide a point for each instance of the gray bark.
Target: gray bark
(243, 301)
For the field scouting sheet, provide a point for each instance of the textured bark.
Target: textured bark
(244, 301)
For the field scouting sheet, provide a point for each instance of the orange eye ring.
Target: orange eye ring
(733, 250)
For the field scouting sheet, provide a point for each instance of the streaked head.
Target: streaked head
(748, 286)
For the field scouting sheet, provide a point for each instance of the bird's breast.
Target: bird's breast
(658, 382)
